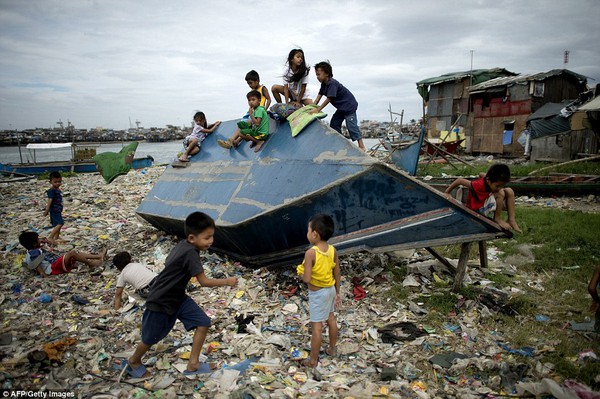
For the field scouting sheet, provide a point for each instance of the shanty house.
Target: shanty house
(447, 97)
(500, 107)
(565, 131)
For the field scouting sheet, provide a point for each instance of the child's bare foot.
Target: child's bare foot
(514, 225)
(227, 144)
(503, 224)
(102, 254)
(331, 351)
(309, 363)
(258, 146)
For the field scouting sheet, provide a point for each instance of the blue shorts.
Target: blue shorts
(321, 303)
(351, 124)
(56, 219)
(157, 325)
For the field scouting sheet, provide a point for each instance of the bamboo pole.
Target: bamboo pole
(564, 163)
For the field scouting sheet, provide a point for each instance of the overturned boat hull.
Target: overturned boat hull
(261, 202)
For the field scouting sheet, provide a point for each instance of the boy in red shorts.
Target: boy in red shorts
(46, 263)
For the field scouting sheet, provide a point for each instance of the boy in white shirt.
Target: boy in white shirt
(135, 274)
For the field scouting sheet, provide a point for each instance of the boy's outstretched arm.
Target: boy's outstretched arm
(317, 110)
(118, 294)
(458, 182)
(216, 282)
(211, 128)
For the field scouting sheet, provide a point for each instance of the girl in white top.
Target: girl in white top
(295, 81)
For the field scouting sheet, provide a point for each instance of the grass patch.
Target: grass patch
(566, 249)
(46, 175)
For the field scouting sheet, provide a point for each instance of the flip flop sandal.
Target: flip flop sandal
(138, 372)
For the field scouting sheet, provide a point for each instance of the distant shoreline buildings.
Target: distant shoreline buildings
(68, 134)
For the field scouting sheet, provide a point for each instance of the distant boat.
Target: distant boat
(261, 201)
(80, 162)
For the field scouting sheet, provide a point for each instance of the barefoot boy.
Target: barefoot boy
(255, 130)
(54, 206)
(132, 273)
(168, 302)
(489, 196)
(47, 263)
(342, 99)
(320, 270)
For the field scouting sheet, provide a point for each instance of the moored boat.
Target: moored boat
(81, 160)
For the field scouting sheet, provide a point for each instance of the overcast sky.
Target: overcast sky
(104, 62)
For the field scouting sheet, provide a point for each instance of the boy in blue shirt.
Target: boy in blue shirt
(342, 99)
(167, 301)
(54, 206)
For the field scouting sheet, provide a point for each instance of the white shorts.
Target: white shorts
(321, 303)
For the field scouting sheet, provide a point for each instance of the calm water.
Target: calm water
(161, 152)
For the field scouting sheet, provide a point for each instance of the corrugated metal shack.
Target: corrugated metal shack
(447, 97)
(501, 106)
(564, 131)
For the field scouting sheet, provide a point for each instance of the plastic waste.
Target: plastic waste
(45, 298)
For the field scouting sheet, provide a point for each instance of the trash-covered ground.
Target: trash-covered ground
(61, 333)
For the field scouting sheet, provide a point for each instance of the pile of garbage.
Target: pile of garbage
(62, 333)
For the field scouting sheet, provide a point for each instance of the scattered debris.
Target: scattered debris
(62, 332)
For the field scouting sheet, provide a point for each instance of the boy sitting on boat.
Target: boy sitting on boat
(489, 196)
(46, 263)
(256, 129)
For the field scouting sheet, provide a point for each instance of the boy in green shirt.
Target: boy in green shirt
(255, 130)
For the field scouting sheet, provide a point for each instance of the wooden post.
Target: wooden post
(461, 268)
(443, 260)
(483, 254)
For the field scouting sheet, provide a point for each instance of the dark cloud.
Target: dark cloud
(97, 63)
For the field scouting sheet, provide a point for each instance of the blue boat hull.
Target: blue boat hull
(77, 167)
(261, 202)
(406, 157)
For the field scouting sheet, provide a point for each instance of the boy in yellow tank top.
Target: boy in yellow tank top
(320, 270)
(253, 80)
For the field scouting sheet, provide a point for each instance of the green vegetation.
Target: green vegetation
(46, 175)
(566, 249)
